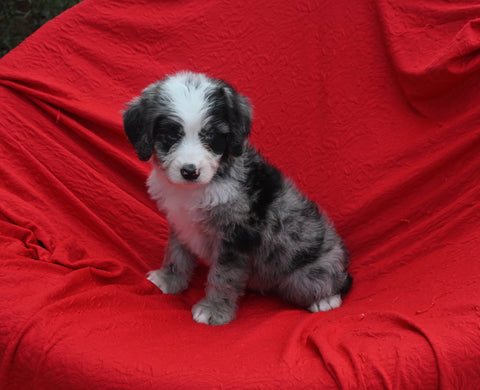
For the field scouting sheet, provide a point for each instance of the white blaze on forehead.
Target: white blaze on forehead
(188, 95)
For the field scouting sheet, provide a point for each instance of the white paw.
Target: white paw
(201, 314)
(212, 312)
(157, 278)
(326, 304)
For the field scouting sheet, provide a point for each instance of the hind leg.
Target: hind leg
(315, 289)
(326, 304)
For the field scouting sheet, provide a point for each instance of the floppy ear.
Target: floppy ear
(239, 113)
(138, 131)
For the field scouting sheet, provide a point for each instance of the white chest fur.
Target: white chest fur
(186, 209)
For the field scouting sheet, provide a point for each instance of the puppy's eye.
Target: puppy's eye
(171, 137)
(167, 133)
(216, 141)
(208, 137)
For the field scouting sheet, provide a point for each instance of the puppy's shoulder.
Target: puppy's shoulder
(264, 183)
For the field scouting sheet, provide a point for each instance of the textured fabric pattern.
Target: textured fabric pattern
(372, 108)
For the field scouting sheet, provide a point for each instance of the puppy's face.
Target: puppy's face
(190, 123)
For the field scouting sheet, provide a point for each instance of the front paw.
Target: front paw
(213, 312)
(166, 281)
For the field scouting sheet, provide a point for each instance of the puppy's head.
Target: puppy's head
(190, 124)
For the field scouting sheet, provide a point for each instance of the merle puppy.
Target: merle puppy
(228, 206)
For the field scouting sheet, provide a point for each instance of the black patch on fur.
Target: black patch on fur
(317, 273)
(230, 255)
(219, 110)
(136, 129)
(231, 108)
(277, 225)
(347, 285)
(310, 210)
(243, 239)
(224, 168)
(295, 236)
(214, 140)
(263, 183)
(275, 256)
(167, 132)
(307, 256)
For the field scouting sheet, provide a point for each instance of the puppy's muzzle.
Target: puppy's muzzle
(190, 172)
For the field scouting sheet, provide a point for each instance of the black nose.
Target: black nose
(190, 172)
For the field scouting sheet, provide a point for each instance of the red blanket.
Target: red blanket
(371, 108)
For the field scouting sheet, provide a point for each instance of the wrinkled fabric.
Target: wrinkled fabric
(370, 107)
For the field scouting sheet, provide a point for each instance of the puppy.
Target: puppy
(228, 206)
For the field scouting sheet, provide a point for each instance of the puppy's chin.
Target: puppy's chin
(187, 184)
